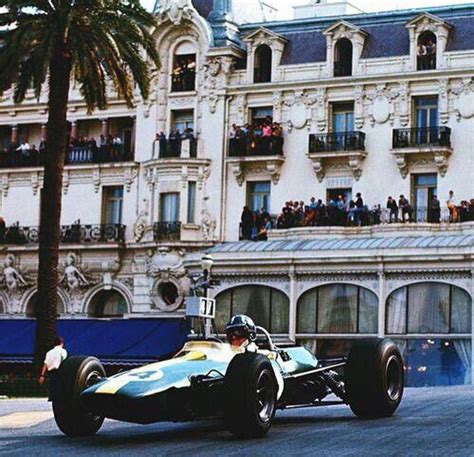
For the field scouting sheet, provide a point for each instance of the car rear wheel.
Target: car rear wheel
(76, 374)
(250, 395)
(374, 378)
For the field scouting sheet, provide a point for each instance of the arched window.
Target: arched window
(107, 303)
(31, 306)
(432, 322)
(267, 306)
(343, 58)
(337, 309)
(183, 77)
(263, 64)
(426, 51)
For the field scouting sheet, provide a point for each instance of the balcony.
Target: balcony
(428, 143)
(259, 153)
(345, 147)
(172, 149)
(166, 231)
(74, 156)
(74, 233)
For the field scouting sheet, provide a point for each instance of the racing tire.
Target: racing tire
(75, 374)
(374, 378)
(250, 395)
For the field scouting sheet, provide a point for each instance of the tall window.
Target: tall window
(183, 77)
(182, 120)
(261, 115)
(267, 306)
(263, 64)
(433, 324)
(337, 308)
(107, 303)
(426, 51)
(169, 207)
(191, 219)
(112, 205)
(343, 58)
(259, 195)
(426, 110)
(342, 117)
(425, 189)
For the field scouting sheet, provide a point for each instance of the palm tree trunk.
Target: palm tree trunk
(50, 215)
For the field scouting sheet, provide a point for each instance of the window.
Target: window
(426, 51)
(342, 117)
(182, 120)
(419, 314)
(343, 58)
(169, 207)
(108, 303)
(424, 190)
(426, 111)
(267, 306)
(263, 64)
(31, 306)
(183, 78)
(112, 205)
(191, 202)
(337, 308)
(259, 195)
(261, 115)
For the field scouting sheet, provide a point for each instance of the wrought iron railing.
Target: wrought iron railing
(74, 233)
(335, 142)
(421, 136)
(256, 146)
(167, 149)
(167, 231)
(75, 156)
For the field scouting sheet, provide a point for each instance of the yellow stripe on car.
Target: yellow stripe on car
(113, 385)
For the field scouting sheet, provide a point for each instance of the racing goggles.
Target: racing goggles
(237, 333)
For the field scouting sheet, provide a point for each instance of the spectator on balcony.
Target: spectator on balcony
(421, 52)
(117, 146)
(434, 214)
(248, 223)
(450, 203)
(359, 209)
(431, 55)
(175, 143)
(24, 147)
(393, 207)
(405, 208)
(263, 232)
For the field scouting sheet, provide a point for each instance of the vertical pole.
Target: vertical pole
(293, 304)
(74, 130)
(104, 127)
(44, 132)
(382, 292)
(14, 135)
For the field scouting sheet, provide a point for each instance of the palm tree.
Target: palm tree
(48, 45)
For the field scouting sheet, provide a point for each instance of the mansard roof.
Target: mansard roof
(387, 35)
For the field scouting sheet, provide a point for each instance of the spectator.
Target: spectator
(248, 223)
(405, 209)
(393, 207)
(263, 232)
(450, 203)
(435, 213)
(52, 362)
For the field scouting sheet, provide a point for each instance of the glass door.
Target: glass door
(427, 120)
(169, 207)
(425, 188)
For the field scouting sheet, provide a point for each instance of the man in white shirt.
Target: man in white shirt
(52, 362)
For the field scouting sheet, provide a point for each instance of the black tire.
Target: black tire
(75, 374)
(374, 378)
(250, 395)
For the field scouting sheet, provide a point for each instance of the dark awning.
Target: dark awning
(118, 341)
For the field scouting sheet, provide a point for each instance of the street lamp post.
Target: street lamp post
(206, 265)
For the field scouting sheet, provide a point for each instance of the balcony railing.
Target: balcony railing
(74, 156)
(421, 137)
(168, 149)
(259, 146)
(337, 142)
(167, 231)
(74, 233)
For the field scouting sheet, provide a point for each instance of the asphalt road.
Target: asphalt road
(429, 422)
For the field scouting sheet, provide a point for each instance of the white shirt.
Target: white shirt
(54, 357)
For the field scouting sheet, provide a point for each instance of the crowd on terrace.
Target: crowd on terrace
(261, 137)
(344, 212)
(171, 146)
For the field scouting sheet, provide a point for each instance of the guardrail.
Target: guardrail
(421, 136)
(335, 142)
(167, 231)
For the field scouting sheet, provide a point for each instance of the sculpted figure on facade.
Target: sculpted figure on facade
(14, 282)
(175, 10)
(208, 225)
(74, 282)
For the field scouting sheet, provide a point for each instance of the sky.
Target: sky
(366, 5)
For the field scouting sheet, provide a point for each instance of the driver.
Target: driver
(241, 333)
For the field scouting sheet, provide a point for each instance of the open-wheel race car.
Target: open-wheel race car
(208, 378)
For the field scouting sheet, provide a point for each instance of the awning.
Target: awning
(117, 341)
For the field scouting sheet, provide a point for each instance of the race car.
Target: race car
(209, 378)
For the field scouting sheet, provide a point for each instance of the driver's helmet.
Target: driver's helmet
(241, 325)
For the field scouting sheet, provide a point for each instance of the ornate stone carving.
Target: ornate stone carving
(175, 11)
(443, 100)
(141, 224)
(464, 99)
(238, 172)
(208, 223)
(402, 164)
(321, 109)
(14, 282)
(359, 106)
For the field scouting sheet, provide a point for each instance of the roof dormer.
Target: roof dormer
(264, 51)
(345, 43)
(427, 27)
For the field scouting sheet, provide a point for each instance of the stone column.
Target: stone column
(14, 135)
(105, 127)
(44, 132)
(133, 136)
(74, 130)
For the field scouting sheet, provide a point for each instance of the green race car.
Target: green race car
(212, 379)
